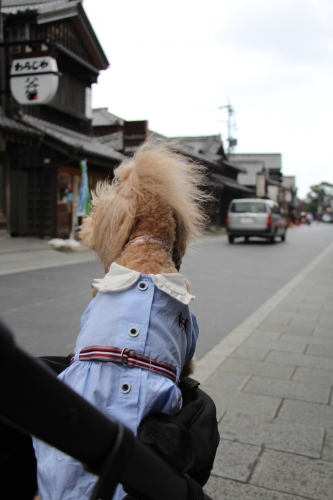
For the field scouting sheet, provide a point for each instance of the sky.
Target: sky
(176, 62)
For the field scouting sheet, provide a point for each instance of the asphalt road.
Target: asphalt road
(230, 282)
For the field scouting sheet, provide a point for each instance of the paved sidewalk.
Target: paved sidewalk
(27, 254)
(271, 379)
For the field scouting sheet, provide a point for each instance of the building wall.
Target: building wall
(254, 163)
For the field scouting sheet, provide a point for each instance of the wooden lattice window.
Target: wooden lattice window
(62, 32)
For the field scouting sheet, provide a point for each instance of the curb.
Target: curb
(207, 365)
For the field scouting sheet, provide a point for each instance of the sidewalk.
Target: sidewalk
(271, 379)
(27, 254)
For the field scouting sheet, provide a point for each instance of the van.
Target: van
(248, 217)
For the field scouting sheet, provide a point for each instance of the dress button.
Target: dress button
(142, 285)
(125, 388)
(133, 331)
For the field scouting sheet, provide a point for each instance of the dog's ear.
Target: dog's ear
(87, 233)
(109, 225)
(181, 242)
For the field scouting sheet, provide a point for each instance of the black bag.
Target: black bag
(188, 441)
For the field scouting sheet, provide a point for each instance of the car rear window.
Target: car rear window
(248, 206)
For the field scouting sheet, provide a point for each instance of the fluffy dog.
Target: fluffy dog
(140, 226)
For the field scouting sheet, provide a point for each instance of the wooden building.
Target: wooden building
(41, 145)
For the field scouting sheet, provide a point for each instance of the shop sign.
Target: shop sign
(261, 186)
(88, 110)
(34, 80)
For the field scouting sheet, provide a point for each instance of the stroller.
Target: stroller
(66, 421)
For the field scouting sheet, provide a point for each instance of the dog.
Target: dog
(140, 226)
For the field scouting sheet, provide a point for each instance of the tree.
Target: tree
(316, 196)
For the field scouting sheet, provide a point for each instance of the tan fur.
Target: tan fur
(157, 192)
(155, 182)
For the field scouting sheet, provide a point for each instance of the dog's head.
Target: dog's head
(155, 171)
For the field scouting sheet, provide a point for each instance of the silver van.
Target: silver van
(255, 217)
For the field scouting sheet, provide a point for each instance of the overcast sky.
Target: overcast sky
(175, 62)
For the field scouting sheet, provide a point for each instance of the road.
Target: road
(230, 282)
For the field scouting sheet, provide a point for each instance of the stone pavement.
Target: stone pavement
(27, 254)
(271, 379)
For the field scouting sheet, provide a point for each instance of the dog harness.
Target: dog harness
(128, 357)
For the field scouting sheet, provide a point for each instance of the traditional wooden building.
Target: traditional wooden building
(42, 143)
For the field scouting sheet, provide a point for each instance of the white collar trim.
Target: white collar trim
(121, 278)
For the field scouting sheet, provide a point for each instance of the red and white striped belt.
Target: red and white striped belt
(128, 357)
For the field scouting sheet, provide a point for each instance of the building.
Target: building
(43, 141)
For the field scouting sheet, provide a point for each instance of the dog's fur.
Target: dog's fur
(157, 192)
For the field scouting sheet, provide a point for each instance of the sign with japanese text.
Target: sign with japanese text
(34, 80)
(261, 186)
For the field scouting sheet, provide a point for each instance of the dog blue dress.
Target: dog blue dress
(145, 313)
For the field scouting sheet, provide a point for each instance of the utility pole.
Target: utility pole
(231, 141)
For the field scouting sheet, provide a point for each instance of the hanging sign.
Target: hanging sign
(261, 186)
(34, 80)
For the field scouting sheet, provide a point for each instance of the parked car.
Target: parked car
(327, 218)
(255, 217)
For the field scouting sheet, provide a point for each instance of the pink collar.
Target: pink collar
(149, 239)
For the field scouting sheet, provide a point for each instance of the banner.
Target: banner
(83, 204)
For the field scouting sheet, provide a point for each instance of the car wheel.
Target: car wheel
(272, 240)
(230, 238)
(283, 236)
(246, 238)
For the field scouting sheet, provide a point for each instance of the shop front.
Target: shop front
(45, 178)
(69, 181)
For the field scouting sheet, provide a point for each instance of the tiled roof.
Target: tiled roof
(219, 180)
(114, 140)
(14, 6)
(81, 143)
(181, 145)
(207, 148)
(187, 149)
(13, 126)
(102, 117)
(211, 144)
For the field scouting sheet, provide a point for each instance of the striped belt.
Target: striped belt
(128, 357)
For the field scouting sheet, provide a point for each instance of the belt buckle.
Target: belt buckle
(126, 351)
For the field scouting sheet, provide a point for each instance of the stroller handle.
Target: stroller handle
(35, 402)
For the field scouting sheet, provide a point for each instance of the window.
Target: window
(275, 209)
(248, 206)
(16, 34)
